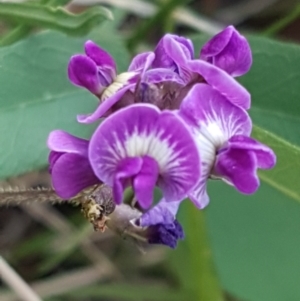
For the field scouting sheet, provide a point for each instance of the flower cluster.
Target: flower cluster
(172, 121)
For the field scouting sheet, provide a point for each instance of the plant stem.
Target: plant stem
(282, 23)
(194, 257)
(163, 13)
(14, 35)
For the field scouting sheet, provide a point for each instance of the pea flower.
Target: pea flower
(226, 55)
(96, 71)
(222, 132)
(228, 50)
(200, 71)
(70, 169)
(144, 147)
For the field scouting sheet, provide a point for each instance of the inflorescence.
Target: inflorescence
(172, 121)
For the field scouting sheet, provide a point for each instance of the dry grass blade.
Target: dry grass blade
(63, 283)
(16, 283)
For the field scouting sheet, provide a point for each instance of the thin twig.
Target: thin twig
(16, 196)
(16, 283)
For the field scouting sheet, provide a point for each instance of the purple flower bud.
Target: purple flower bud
(165, 234)
(162, 226)
(93, 71)
(228, 50)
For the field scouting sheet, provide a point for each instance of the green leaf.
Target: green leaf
(193, 259)
(69, 247)
(54, 18)
(36, 96)
(285, 176)
(255, 242)
(123, 291)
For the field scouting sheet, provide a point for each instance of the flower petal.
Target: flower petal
(229, 51)
(180, 55)
(61, 141)
(126, 168)
(265, 156)
(141, 62)
(216, 118)
(163, 213)
(104, 106)
(165, 56)
(83, 72)
(162, 136)
(199, 194)
(238, 166)
(144, 182)
(71, 174)
(100, 56)
(166, 234)
(222, 82)
(159, 75)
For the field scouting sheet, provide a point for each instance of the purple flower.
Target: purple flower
(144, 147)
(96, 71)
(126, 221)
(199, 71)
(165, 234)
(162, 213)
(69, 165)
(222, 132)
(228, 50)
(163, 228)
(178, 72)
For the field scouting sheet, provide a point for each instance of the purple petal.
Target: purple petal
(162, 136)
(83, 72)
(126, 168)
(172, 52)
(166, 234)
(71, 174)
(238, 166)
(229, 51)
(199, 194)
(222, 82)
(265, 156)
(158, 75)
(165, 56)
(104, 106)
(144, 182)
(61, 141)
(213, 115)
(180, 55)
(52, 158)
(163, 213)
(141, 62)
(100, 56)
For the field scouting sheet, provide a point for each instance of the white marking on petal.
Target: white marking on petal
(119, 82)
(151, 144)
